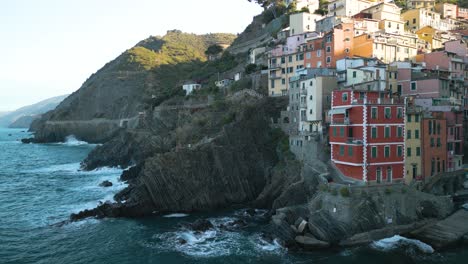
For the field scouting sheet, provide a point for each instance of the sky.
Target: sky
(50, 47)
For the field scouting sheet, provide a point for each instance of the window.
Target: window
(283, 81)
(350, 151)
(408, 152)
(341, 150)
(408, 134)
(438, 128)
(432, 142)
(413, 86)
(374, 132)
(328, 59)
(374, 112)
(290, 59)
(418, 151)
(344, 97)
(416, 134)
(387, 151)
(388, 112)
(400, 151)
(328, 49)
(319, 53)
(387, 132)
(308, 55)
(341, 131)
(354, 74)
(311, 97)
(399, 132)
(414, 20)
(283, 60)
(399, 112)
(416, 118)
(439, 142)
(374, 152)
(409, 119)
(346, 50)
(334, 131)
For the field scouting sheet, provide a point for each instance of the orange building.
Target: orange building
(324, 51)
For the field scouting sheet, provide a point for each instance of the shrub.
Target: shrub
(228, 118)
(334, 192)
(323, 188)
(344, 191)
(250, 68)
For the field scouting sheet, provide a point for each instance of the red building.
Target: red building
(367, 135)
(434, 143)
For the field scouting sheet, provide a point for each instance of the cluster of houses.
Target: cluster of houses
(388, 91)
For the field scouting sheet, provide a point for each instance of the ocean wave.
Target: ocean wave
(397, 241)
(270, 246)
(177, 215)
(75, 168)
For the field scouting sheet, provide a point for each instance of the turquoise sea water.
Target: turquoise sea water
(40, 186)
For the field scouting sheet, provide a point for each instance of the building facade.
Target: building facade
(367, 135)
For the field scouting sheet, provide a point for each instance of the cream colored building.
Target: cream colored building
(302, 22)
(312, 5)
(446, 10)
(418, 18)
(413, 4)
(395, 47)
(413, 151)
(348, 8)
(388, 15)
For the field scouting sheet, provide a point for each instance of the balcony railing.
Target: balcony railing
(383, 101)
(274, 76)
(353, 140)
(303, 105)
(340, 121)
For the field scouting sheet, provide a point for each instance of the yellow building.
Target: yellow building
(281, 69)
(413, 152)
(431, 36)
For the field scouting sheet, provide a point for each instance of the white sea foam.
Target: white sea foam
(394, 242)
(71, 140)
(264, 245)
(177, 215)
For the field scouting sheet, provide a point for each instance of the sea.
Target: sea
(42, 184)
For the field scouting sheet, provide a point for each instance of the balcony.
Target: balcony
(275, 66)
(355, 141)
(303, 104)
(340, 121)
(275, 77)
(382, 101)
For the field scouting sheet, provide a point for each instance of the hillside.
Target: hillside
(30, 112)
(136, 81)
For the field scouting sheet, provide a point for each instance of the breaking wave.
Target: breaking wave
(397, 241)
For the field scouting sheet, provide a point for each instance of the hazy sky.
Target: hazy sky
(50, 47)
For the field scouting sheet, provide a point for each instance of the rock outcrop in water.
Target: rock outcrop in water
(363, 216)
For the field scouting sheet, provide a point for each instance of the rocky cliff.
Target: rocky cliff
(134, 82)
(232, 158)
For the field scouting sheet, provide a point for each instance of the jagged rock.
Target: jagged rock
(105, 184)
(309, 242)
(446, 232)
(325, 227)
